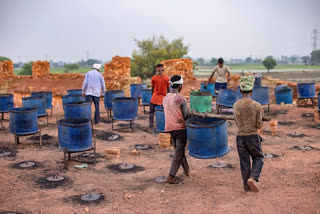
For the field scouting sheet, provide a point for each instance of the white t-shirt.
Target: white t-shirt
(221, 73)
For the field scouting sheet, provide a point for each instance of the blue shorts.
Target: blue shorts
(219, 85)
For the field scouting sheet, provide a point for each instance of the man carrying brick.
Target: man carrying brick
(222, 70)
(160, 88)
(248, 118)
(176, 113)
(92, 86)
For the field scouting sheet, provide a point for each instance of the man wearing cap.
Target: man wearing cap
(92, 86)
(160, 88)
(222, 70)
(248, 118)
(176, 113)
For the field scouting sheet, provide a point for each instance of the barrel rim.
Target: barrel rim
(42, 92)
(211, 83)
(34, 98)
(71, 95)
(159, 108)
(75, 89)
(209, 125)
(146, 89)
(64, 122)
(306, 83)
(127, 99)
(22, 110)
(6, 95)
(136, 84)
(207, 93)
(77, 103)
(114, 91)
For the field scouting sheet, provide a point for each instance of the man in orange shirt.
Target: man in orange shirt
(160, 88)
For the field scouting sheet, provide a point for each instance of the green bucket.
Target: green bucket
(201, 101)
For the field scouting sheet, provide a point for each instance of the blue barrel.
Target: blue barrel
(77, 109)
(6, 102)
(319, 101)
(160, 119)
(239, 94)
(110, 95)
(74, 92)
(146, 95)
(207, 137)
(125, 108)
(75, 134)
(257, 81)
(261, 95)
(47, 95)
(143, 86)
(38, 102)
(283, 94)
(227, 97)
(135, 90)
(306, 90)
(72, 98)
(23, 121)
(210, 88)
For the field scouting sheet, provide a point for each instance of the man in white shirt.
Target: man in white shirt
(92, 86)
(222, 70)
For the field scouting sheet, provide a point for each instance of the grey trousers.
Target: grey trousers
(179, 138)
(250, 146)
(152, 109)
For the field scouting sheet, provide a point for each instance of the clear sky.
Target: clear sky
(66, 29)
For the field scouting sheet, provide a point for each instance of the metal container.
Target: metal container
(200, 101)
(261, 95)
(37, 102)
(110, 95)
(283, 94)
(125, 108)
(306, 90)
(135, 90)
(75, 134)
(23, 121)
(227, 97)
(77, 109)
(207, 137)
(146, 95)
(160, 118)
(74, 92)
(72, 98)
(210, 88)
(6, 102)
(47, 95)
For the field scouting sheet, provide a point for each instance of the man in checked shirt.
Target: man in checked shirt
(248, 118)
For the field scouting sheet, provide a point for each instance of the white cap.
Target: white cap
(179, 82)
(96, 66)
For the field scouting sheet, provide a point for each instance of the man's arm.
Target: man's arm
(84, 85)
(185, 111)
(229, 75)
(103, 86)
(259, 117)
(210, 78)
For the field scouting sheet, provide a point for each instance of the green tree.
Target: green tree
(305, 59)
(26, 69)
(3, 58)
(293, 58)
(213, 61)
(201, 61)
(72, 66)
(152, 51)
(269, 63)
(248, 60)
(315, 57)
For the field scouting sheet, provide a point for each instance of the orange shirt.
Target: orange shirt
(160, 88)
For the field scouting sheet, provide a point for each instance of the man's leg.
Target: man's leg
(88, 99)
(224, 85)
(255, 151)
(151, 114)
(244, 161)
(97, 110)
(180, 141)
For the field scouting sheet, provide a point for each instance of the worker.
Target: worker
(92, 86)
(160, 88)
(248, 118)
(221, 81)
(176, 113)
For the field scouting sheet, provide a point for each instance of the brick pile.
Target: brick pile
(6, 69)
(40, 69)
(183, 67)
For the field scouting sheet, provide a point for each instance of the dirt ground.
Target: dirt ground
(290, 183)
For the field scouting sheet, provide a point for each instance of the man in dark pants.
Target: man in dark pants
(160, 88)
(91, 88)
(221, 80)
(248, 118)
(176, 113)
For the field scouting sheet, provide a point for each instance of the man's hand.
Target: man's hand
(205, 86)
(83, 95)
(229, 78)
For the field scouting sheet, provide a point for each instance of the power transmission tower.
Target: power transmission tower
(314, 38)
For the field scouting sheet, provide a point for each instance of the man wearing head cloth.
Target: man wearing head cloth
(92, 86)
(176, 113)
(248, 118)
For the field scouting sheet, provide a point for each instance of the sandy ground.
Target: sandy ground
(289, 183)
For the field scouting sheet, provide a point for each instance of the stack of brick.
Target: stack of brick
(6, 69)
(40, 69)
(183, 67)
(117, 75)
